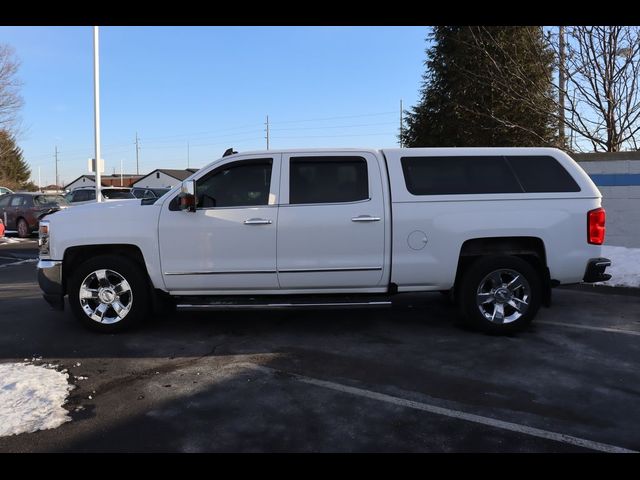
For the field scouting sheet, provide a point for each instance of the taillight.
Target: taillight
(596, 226)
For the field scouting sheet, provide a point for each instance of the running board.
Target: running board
(248, 303)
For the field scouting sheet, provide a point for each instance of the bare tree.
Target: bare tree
(601, 101)
(602, 68)
(10, 99)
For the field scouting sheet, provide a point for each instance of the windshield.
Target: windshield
(50, 199)
(117, 194)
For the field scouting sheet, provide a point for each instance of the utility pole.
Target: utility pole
(96, 105)
(121, 165)
(562, 86)
(187, 153)
(137, 158)
(267, 137)
(56, 155)
(400, 123)
(39, 180)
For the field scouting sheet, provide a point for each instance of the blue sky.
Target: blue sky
(211, 87)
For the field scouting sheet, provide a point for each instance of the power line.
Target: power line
(336, 118)
(336, 136)
(205, 138)
(334, 127)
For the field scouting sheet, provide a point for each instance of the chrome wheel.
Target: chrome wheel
(105, 296)
(503, 296)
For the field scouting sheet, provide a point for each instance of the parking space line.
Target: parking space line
(589, 327)
(469, 417)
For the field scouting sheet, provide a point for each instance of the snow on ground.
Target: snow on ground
(31, 398)
(625, 266)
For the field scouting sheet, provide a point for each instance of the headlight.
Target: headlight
(43, 237)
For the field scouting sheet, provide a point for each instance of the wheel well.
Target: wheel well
(74, 256)
(530, 249)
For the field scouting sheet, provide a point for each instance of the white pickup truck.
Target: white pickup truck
(495, 227)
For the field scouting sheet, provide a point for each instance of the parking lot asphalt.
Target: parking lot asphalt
(405, 379)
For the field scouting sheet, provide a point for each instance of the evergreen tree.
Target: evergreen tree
(14, 171)
(485, 86)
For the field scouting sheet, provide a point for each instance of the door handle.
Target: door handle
(257, 221)
(365, 218)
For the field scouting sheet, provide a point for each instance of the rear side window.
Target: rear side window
(478, 175)
(327, 180)
(458, 175)
(540, 174)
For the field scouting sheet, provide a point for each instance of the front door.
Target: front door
(229, 243)
(331, 224)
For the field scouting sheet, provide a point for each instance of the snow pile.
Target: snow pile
(31, 398)
(625, 266)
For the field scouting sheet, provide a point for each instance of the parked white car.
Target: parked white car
(497, 227)
(5, 190)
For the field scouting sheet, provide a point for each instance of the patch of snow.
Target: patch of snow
(32, 398)
(625, 266)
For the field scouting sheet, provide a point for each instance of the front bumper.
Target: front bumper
(50, 281)
(595, 270)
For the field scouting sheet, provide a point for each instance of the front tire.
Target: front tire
(109, 294)
(500, 294)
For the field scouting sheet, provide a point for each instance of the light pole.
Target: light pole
(96, 106)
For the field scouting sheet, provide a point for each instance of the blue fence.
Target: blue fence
(615, 179)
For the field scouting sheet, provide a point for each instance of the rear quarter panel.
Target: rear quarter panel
(558, 219)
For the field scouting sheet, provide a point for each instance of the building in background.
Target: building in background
(617, 175)
(126, 180)
(164, 178)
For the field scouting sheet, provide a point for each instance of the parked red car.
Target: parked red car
(1, 228)
(23, 211)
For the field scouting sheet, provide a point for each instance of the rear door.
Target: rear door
(16, 205)
(331, 224)
(5, 200)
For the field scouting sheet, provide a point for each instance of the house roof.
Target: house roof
(604, 156)
(177, 174)
(103, 178)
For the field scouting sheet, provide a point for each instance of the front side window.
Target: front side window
(327, 180)
(4, 202)
(239, 184)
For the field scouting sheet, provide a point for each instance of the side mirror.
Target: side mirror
(188, 196)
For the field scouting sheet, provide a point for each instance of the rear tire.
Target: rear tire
(500, 294)
(109, 293)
